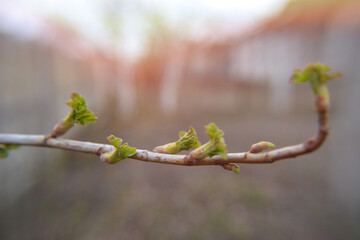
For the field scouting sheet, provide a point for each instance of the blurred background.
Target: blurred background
(151, 68)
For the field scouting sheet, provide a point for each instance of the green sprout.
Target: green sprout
(216, 145)
(235, 168)
(261, 146)
(121, 152)
(187, 141)
(317, 74)
(231, 167)
(4, 149)
(79, 114)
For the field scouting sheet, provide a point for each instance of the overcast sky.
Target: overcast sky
(87, 15)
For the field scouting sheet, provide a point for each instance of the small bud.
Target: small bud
(231, 167)
(261, 146)
(236, 169)
(170, 148)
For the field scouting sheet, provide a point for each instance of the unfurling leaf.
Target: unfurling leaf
(126, 151)
(216, 145)
(116, 142)
(261, 146)
(79, 114)
(317, 74)
(4, 149)
(121, 152)
(187, 141)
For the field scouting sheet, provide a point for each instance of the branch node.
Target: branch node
(268, 159)
(189, 160)
(100, 151)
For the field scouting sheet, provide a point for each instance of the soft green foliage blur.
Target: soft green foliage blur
(4, 149)
(80, 113)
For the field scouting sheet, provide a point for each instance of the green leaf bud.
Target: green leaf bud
(78, 115)
(236, 169)
(126, 151)
(172, 148)
(122, 151)
(216, 145)
(187, 141)
(231, 167)
(261, 146)
(317, 74)
(116, 142)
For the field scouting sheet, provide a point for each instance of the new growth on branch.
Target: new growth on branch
(213, 152)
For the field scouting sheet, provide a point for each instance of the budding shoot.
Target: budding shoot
(261, 146)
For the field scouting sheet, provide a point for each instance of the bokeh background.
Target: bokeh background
(150, 69)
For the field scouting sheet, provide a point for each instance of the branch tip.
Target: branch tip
(79, 114)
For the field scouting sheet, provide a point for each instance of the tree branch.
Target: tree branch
(315, 74)
(147, 156)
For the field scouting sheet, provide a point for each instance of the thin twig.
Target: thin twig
(147, 156)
